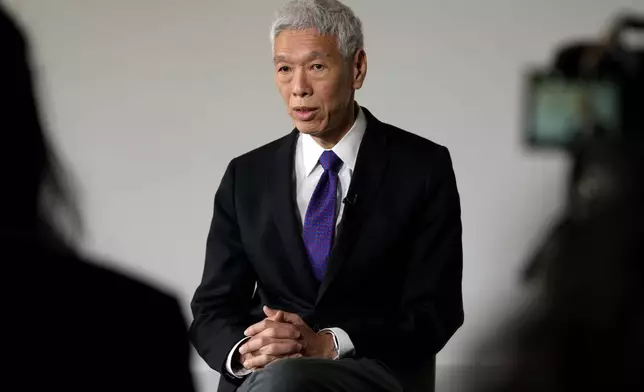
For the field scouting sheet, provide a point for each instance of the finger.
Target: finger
(279, 316)
(293, 319)
(275, 315)
(269, 312)
(253, 345)
(267, 336)
(257, 342)
(280, 331)
(258, 361)
(274, 329)
(281, 348)
(245, 357)
(256, 328)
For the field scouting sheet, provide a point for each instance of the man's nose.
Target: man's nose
(301, 85)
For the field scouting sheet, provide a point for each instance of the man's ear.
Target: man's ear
(359, 66)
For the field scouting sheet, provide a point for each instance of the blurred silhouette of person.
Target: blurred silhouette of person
(68, 324)
(585, 329)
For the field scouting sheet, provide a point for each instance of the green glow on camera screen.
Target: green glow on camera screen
(562, 108)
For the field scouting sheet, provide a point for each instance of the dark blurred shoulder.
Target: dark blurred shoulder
(88, 322)
(61, 271)
(78, 298)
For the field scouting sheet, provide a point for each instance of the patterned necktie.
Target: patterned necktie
(319, 223)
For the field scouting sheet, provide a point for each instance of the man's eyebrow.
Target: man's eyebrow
(311, 56)
(316, 55)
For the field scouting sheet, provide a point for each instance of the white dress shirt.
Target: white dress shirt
(308, 169)
(307, 175)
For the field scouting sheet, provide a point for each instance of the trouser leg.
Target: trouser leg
(319, 375)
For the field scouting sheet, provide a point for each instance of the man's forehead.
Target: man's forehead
(304, 44)
(305, 55)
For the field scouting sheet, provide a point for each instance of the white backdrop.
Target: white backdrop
(149, 99)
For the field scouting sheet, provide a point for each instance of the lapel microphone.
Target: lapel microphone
(350, 200)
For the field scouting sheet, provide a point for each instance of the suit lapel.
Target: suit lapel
(369, 170)
(283, 202)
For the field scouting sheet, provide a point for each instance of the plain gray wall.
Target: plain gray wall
(148, 100)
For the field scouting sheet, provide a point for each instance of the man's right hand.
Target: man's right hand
(272, 339)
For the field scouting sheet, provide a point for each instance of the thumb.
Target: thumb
(279, 316)
(270, 312)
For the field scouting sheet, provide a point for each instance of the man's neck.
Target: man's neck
(330, 139)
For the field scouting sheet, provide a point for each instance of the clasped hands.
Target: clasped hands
(283, 335)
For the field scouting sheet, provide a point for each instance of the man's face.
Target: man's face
(315, 81)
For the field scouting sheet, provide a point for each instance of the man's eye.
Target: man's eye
(318, 67)
(284, 68)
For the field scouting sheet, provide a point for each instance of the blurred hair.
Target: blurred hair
(36, 198)
(328, 17)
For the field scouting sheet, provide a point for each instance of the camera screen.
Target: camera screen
(560, 110)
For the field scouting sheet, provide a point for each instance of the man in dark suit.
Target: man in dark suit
(334, 257)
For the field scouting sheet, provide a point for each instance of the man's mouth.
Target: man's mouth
(304, 109)
(304, 113)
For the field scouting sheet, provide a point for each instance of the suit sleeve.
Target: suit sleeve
(221, 303)
(431, 308)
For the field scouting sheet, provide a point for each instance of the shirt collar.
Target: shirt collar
(346, 149)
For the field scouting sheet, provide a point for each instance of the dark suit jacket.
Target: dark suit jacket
(71, 325)
(393, 280)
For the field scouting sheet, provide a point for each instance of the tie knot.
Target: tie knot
(330, 161)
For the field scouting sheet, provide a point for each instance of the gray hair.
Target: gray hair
(329, 17)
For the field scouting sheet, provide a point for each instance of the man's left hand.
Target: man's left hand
(314, 345)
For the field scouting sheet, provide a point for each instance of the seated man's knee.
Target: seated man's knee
(288, 369)
(283, 375)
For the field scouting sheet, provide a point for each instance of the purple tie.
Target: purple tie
(319, 223)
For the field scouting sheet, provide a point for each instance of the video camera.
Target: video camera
(593, 92)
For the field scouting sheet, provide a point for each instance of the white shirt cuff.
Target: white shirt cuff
(238, 372)
(345, 345)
